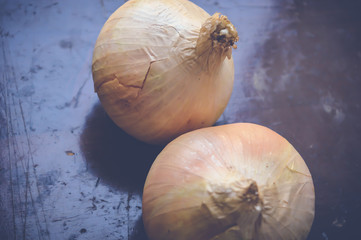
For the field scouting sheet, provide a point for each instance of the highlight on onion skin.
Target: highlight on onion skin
(162, 68)
(236, 181)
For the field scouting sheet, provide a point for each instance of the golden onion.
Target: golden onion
(164, 67)
(236, 181)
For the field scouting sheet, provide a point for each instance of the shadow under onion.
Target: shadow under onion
(139, 231)
(112, 155)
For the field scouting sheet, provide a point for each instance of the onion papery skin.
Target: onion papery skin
(154, 77)
(236, 181)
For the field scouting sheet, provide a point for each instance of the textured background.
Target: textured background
(67, 172)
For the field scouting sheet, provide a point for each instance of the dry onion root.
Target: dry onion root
(162, 68)
(237, 181)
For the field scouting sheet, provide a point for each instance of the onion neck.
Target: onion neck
(238, 206)
(216, 39)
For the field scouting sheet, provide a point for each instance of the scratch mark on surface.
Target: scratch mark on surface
(84, 73)
(51, 5)
(75, 99)
(64, 218)
(97, 182)
(128, 214)
(6, 105)
(16, 128)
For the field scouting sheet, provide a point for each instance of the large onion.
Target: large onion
(237, 181)
(160, 68)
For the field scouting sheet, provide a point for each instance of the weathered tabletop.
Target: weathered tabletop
(67, 172)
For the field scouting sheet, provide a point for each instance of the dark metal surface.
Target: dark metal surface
(67, 172)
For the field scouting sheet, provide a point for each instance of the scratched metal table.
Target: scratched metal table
(67, 172)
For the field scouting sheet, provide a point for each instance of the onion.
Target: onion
(236, 181)
(162, 68)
